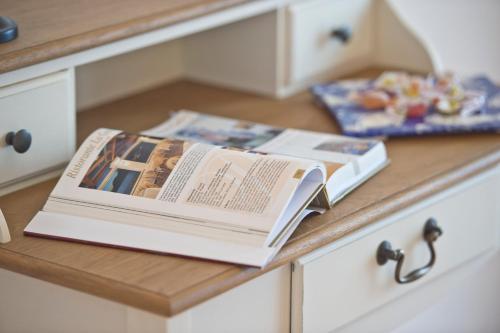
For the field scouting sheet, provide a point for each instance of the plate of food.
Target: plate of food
(400, 104)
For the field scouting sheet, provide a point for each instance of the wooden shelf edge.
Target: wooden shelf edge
(50, 50)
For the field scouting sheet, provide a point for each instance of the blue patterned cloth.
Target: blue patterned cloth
(354, 120)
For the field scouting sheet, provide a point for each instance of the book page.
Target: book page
(178, 179)
(333, 150)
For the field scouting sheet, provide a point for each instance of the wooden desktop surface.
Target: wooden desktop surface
(50, 29)
(167, 284)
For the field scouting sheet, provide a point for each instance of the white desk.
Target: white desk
(326, 277)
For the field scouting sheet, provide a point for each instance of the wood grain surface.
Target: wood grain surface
(50, 29)
(167, 284)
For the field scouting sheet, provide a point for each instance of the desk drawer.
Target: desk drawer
(312, 47)
(343, 281)
(45, 108)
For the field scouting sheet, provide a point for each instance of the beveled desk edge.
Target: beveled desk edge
(57, 48)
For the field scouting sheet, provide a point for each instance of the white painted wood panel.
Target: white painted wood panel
(261, 305)
(463, 34)
(398, 44)
(473, 305)
(30, 305)
(45, 107)
(242, 55)
(410, 310)
(333, 287)
(130, 73)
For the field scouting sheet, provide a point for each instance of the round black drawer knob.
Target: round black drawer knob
(343, 34)
(20, 140)
(8, 29)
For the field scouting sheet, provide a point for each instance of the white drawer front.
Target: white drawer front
(313, 49)
(44, 107)
(343, 281)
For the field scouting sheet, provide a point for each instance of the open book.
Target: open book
(348, 161)
(190, 198)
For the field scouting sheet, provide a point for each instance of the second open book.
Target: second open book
(203, 186)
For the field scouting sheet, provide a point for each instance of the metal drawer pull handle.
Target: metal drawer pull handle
(385, 253)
